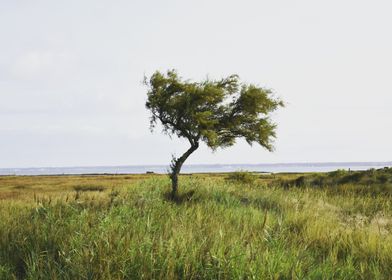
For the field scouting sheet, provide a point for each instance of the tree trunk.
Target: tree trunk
(176, 168)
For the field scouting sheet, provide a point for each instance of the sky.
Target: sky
(71, 73)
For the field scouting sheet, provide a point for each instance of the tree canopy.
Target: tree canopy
(216, 112)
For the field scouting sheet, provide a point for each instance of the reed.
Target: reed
(220, 229)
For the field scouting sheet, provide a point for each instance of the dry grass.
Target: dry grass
(127, 229)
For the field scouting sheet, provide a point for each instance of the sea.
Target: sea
(198, 168)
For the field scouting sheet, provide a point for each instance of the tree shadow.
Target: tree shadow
(181, 198)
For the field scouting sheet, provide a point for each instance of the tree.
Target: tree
(213, 111)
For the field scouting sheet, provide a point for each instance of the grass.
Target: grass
(370, 182)
(124, 227)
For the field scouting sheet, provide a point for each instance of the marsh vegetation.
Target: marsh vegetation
(127, 227)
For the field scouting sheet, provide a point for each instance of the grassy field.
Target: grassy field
(285, 226)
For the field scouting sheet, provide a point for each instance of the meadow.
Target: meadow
(222, 226)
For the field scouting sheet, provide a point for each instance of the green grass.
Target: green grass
(370, 182)
(124, 227)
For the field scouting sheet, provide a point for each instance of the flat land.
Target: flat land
(222, 226)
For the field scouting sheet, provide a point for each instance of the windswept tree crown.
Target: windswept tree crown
(214, 111)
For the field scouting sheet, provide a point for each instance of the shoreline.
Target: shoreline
(290, 168)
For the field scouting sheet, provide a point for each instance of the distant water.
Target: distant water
(201, 168)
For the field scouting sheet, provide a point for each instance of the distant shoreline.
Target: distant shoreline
(328, 163)
(192, 169)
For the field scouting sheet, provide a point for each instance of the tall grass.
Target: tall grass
(217, 230)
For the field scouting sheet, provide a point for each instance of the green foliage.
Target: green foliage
(89, 188)
(5, 273)
(371, 181)
(242, 177)
(216, 112)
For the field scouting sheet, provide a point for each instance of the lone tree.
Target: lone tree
(213, 111)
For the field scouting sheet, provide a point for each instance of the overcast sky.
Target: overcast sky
(71, 72)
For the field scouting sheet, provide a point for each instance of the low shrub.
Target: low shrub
(88, 188)
(371, 182)
(244, 177)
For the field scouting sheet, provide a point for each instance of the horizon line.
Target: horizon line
(213, 164)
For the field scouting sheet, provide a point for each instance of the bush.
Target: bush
(338, 173)
(244, 177)
(89, 188)
(371, 182)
